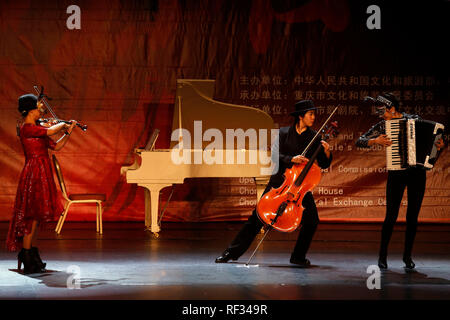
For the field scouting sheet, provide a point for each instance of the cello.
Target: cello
(281, 208)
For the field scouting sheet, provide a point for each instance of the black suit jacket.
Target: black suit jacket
(291, 144)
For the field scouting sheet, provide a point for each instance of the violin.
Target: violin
(47, 122)
(281, 208)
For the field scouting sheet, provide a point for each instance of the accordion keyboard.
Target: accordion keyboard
(394, 156)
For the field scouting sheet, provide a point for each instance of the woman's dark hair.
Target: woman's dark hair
(297, 119)
(27, 102)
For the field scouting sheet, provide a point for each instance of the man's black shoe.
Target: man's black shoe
(300, 262)
(409, 264)
(382, 263)
(225, 257)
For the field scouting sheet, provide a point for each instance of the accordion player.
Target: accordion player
(413, 143)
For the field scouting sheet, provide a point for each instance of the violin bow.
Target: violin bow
(42, 96)
(319, 131)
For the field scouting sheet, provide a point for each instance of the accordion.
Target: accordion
(413, 143)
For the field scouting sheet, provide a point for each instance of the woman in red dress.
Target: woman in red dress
(36, 199)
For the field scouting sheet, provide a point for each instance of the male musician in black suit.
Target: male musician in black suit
(292, 141)
(413, 178)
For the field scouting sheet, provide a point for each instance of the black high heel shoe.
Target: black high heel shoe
(26, 257)
(409, 264)
(302, 262)
(382, 263)
(224, 257)
(37, 258)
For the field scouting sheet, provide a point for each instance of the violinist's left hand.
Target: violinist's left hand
(440, 144)
(72, 124)
(326, 148)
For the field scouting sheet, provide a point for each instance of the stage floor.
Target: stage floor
(128, 263)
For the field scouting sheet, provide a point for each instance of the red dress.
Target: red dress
(36, 197)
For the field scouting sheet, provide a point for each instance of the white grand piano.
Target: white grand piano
(189, 158)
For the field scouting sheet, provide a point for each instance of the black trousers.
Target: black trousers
(414, 179)
(253, 226)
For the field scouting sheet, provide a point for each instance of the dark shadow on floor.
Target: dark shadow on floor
(62, 279)
(410, 277)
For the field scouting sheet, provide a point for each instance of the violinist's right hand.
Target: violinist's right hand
(299, 159)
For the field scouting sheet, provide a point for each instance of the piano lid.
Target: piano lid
(194, 102)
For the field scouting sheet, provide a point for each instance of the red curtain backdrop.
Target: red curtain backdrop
(118, 75)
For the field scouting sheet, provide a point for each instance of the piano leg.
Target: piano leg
(261, 183)
(151, 206)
